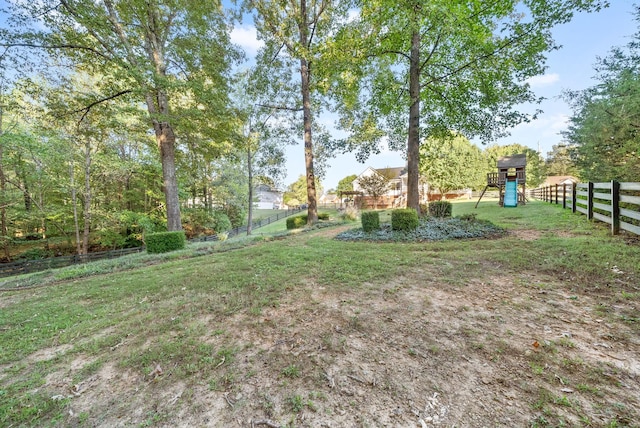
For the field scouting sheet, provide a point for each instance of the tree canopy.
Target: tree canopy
(173, 56)
(423, 69)
(452, 163)
(604, 129)
(536, 172)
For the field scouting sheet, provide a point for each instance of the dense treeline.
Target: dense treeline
(604, 135)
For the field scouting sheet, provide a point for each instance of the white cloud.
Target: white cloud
(247, 38)
(544, 80)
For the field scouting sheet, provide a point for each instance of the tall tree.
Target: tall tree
(374, 185)
(560, 161)
(464, 63)
(297, 31)
(452, 163)
(605, 126)
(264, 134)
(298, 190)
(153, 51)
(346, 184)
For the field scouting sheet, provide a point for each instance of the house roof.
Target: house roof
(552, 180)
(513, 161)
(392, 173)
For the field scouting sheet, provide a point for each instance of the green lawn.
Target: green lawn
(188, 312)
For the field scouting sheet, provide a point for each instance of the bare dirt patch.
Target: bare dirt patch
(502, 350)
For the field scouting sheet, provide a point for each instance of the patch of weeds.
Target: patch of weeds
(225, 356)
(537, 369)
(565, 342)
(562, 401)
(584, 388)
(296, 402)
(26, 409)
(214, 385)
(267, 404)
(538, 422)
(355, 323)
(572, 364)
(153, 418)
(291, 371)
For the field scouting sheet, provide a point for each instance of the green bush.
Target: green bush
(440, 209)
(370, 221)
(220, 222)
(405, 219)
(236, 214)
(297, 222)
(301, 220)
(164, 242)
(424, 210)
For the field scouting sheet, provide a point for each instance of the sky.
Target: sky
(583, 40)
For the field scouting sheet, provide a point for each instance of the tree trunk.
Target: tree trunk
(305, 75)
(413, 140)
(74, 202)
(3, 201)
(250, 177)
(158, 103)
(166, 142)
(87, 198)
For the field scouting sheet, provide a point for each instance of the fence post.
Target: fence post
(564, 196)
(556, 193)
(590, 201)
(549, 194)
(615, 207)
(574, 194)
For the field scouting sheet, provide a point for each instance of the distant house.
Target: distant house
(329, 198)
(267, 198)
(552, 180)
(396, 194)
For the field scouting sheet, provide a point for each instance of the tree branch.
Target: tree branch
(279, 107)
(433, 50)
(61, 46)
(100, 101)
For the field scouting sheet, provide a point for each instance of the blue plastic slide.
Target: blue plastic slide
(511, 194)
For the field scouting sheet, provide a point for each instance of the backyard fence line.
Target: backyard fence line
(29, 266)
(612, 202)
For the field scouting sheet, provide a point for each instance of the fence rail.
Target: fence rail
(612, 202)
(29, 266)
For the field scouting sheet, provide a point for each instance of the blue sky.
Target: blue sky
(583, 40)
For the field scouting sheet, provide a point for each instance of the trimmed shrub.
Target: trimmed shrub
(301, 220)
(296, 222)
(405, 219)
(440, 209)
(424, 210)
(164, 242)
(370, 221)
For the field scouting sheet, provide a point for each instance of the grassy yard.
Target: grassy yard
(539, 328)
